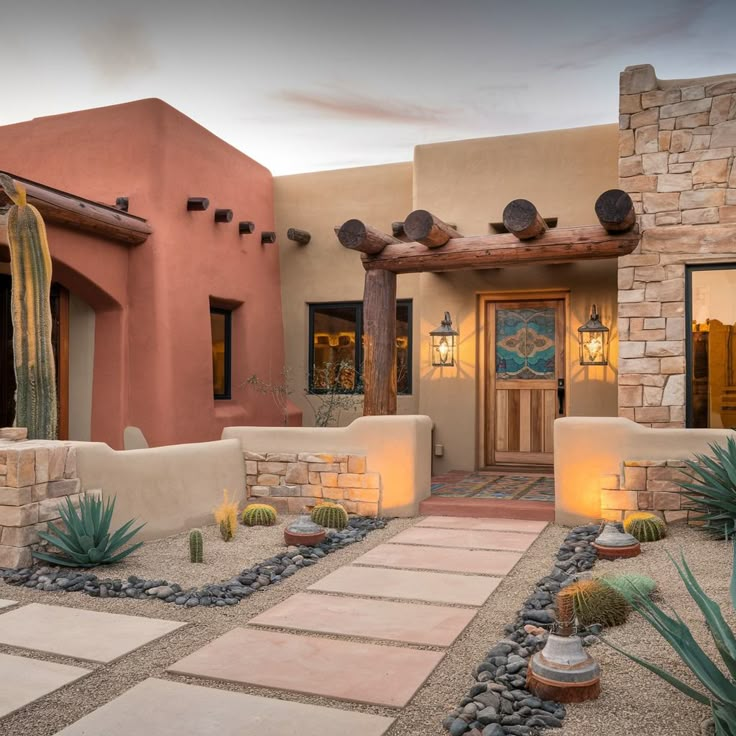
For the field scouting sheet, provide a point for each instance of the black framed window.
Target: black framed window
(710, 318)
(336, 347)
(220, 324)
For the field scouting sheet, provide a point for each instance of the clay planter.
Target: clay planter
(308, 540)
(615, 553)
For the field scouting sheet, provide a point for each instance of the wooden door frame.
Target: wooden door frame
(485, 409)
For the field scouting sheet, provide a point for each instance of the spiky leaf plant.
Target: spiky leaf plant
(719, 685)
(226, 515)
(330, 515)
(711, 491)
(645, 526)
(259, 514)
(33, 355)
(87, 541)
(596, 603)
(631, 584)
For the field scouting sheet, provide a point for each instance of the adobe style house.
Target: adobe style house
(668, 300)
(150, 303)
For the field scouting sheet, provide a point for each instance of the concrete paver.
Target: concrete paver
(487, 525)
(465, 538)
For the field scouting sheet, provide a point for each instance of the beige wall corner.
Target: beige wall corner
(171, 488)
(589, 448)
(396, 447)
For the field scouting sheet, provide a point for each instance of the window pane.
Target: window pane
(220, 325)
(403, 348)
(712, 369)
(334, 341)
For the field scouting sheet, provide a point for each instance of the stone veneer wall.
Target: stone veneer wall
(35, 477)
(676, 160)
(291, 481)
(650, 485)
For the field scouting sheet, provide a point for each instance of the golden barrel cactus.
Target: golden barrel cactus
(30, 268)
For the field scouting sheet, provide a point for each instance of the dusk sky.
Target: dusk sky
(302, 85)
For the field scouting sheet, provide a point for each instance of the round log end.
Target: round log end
(418, 224)
(519, 214)
(352, 234)
(615, 210)
(246, 227)
(223, 215)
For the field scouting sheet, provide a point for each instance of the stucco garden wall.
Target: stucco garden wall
(676, 159)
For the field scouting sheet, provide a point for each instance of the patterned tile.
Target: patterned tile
(494, 485)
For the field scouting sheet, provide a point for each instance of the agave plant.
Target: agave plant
(720, 687)
(87, 541)
(712, 489)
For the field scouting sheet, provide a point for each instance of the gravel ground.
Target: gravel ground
(633, 701)
(169, 557)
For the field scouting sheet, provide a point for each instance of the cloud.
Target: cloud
(118, 49)
(351, 105)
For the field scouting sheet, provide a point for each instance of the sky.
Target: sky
(306, 85)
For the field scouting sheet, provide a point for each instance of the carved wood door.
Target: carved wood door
(526, 379)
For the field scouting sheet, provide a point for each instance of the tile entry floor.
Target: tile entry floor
(494, 484)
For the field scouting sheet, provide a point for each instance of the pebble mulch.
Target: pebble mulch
(227, 593)
(499, 703)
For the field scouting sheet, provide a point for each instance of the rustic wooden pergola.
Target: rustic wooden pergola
(423, 242)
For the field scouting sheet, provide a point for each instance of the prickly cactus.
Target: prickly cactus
(596, 603)
(259, 514)
(645, 527)
(30, 266)
(631, 585)
(196, 546)
(330, 515)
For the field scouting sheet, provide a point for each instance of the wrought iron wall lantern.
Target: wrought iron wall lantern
(593, 338)
(444, 343)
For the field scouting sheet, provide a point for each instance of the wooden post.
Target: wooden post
(379, 331)
(356, 235)
(521, 218)
(425, 228)
(615, 211)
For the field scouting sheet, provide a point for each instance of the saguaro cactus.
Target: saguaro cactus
(30, 268)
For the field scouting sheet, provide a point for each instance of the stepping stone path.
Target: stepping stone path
(421, 589)
(5, 603)
(74, 632)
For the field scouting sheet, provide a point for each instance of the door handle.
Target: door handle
(561, 395)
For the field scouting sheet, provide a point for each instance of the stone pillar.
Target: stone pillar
(35, 477)
(676, 160)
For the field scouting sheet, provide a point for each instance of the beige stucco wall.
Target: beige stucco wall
(81, 367)
(323, 271)
(467, 183)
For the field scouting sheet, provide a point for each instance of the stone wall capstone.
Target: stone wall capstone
(676, 160)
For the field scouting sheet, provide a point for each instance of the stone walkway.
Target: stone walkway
(370, 632)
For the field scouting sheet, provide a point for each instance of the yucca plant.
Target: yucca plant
(87, 541)
(711, 490)
(720, 686)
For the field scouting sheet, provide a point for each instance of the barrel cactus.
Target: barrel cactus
(330, 515)
(30, 268)
(596, 603)
(646, 527)
(196, 546)
(259, 514)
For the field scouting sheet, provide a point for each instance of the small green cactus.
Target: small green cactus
(196, 546)
(259, 514)
(330, 515)
(596, 603)
(631, 585)
(645, 527)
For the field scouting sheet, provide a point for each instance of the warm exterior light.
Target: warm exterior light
(593, 341)
(443, 343)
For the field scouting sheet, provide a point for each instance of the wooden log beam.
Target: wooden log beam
(561, 245)
(268, 237)
(521, 218)
(356, 235)
(298, 236)
(379, 331)
(74, 212)
(246, 227)
(615, 211)
(223, 215)
(427, 229)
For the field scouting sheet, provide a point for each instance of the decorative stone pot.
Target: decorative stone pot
(612, 544)
(304, 531)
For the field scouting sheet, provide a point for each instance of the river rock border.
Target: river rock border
(499, 703)
(228, 593)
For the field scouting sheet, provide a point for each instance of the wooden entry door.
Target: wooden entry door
(525, 379)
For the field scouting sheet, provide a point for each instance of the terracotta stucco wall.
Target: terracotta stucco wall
(324, 271)
(152, 354)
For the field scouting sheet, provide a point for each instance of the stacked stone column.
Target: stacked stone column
(676, 154)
